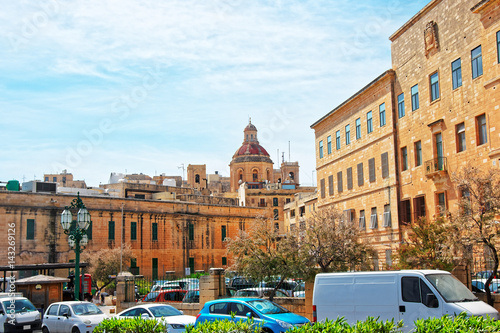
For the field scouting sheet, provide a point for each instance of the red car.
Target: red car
(175, 295)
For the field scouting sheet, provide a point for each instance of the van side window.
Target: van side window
(415, 290)
(410, 287)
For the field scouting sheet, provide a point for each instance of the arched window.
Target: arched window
(197, 179)
(255, 175)
(276, 214)
(292, 176)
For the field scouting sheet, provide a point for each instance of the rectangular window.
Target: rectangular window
(54, 179)
(329, 144)
(418, 153)
(322, 187)
(477, 62)
(111, 230)
(191, 231)
(133, 230)
(387, 216)
(381, 112)
(385, 165)
(154, 266)
(275, 202)
(482, 135)
(371, 169)
(154, 231)
(349, 178)
(419, 204)
(498, 47)
(330, 185)
(369, 122)
(358, 128)
(414, 98)
(30, 229)
(340, 186)
(361, 179)
(223, 232)
(191, 265)
(347, 134)
(456, 73)
(404, 159)
(362, 223)
(406, 211)
(224, 261)
(321, 149)
(460, 130)
(401, 105)
(337, 140)
(434, 86)
(441, 203)
(373, 218)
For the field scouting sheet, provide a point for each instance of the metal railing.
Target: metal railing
(436, 165)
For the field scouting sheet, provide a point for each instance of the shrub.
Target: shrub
(460, 323)
(130, 325)
(225, 326)
(370, 325)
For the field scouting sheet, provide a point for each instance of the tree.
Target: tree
(477, 220)
(262, 255)
(106, 262)
(426, 246)
(332, 243)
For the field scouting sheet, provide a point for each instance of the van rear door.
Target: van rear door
(418, 301)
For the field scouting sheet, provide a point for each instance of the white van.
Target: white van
(18, 314)
(399, 295)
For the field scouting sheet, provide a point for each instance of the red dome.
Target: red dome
(251, 149)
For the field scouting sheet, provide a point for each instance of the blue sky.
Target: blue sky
(101, 86)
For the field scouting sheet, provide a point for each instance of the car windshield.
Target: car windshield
(85, 309)
(20, 305)
(164, 311)
(451, 288)
(267, 307)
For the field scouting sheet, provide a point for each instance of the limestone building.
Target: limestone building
(389, 151)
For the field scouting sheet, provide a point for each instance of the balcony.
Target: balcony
(436, 168)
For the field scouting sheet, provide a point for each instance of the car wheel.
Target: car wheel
(75, 330)
(45, 329)
(267, 330)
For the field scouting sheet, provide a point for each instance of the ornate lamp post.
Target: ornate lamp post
(77, 234)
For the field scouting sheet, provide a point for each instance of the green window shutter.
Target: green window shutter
(191, 265)
(191, 231)
(133, 262)
(224, 261)
(155, 268)
(111, 230)
(133, 231)
(89, 231)
(223, 231)
(154, 231)
(30, 229)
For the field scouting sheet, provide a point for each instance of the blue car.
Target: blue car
(274, 318)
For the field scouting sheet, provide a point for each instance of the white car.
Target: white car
(173, 319)
(72, 316)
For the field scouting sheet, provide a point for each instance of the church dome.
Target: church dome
(251, 150)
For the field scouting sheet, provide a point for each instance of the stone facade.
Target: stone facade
(441, 110)
(163, 235)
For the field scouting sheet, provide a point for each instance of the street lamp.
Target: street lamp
(77, 234)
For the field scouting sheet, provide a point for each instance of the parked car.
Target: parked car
(71, 316)
(174, 319)
(260, 292)
(18, 314)
(192, 296)
(175, 295)
(485, 274)
(287, 286)
(167, 286)
(239, 282)
(480, 284)
(270, 315)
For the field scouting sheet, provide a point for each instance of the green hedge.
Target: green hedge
(130, 325)
(446, 324)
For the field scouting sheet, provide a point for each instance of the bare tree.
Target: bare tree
(262, 255)
(106, 262)
(332, 243)
(477, 220)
